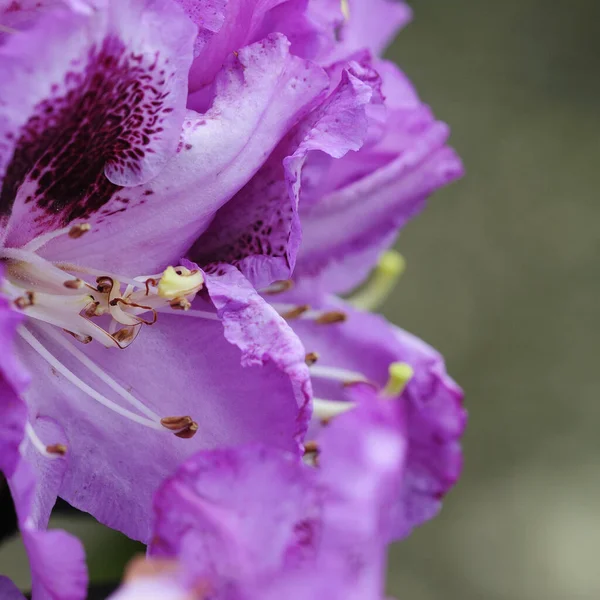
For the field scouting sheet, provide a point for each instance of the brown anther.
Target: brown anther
(78, 230)
(58, 449)
(180, 304)
(295, 312)
(148, 283)
(311, 447)
(93, 309)
(188, 432)
(126, 335)
(333, 316)
(84, 339)
(25, 301)
(176, 423)
(278, 287)
(311, 358)
(116, 301)
(74, 284)
(359, 382)
(105, 284)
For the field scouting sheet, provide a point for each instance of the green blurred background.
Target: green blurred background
(502, 277)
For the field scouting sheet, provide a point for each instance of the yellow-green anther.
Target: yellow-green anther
(345, 9)
(179, 283)
(389, 269)
(400, 374)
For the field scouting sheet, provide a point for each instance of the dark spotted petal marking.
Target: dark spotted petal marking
(89, 103)
(259, 94)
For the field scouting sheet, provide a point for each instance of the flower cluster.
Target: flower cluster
(190, 192)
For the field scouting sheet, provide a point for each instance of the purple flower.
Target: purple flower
(56, 558)
(254, 522)
(346, 192)
(106, 181)
(358, 357)
(343, 180)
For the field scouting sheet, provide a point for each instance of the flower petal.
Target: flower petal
(361, 201)
(226, 26)
(432, 402)
(57, 559)
(89, 103)
(9, 591)
(371, 25)
(183, 365)
(321, 524)
(261, 93)
(13, 380)
(259, 230)
(151, 588)
(211, 513)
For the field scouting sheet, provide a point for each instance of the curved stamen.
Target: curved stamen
(137, 319)
(303, 311)
(53, 451)
(277, 287)
(98, 372)
(346, 376)
(327, 409)
(28, 337)
(384, 278)
(73, 231)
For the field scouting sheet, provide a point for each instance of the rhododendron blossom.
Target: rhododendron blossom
(190, 191)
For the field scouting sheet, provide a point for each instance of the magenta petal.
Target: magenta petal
(357, 204)
(183, 365)
(260, 333)
(431, 403)
(371, 25)
(9, 591)
(56, 559)
(261, 93)
(13, 380)
(259, 230)
(90, 102)
(152, 588)
(212, 516)
(255, 522)
(226, 26)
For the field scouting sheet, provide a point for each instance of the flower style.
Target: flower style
(253, 522)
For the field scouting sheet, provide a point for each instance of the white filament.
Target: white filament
(81, 385)
(336, 374)
(328, 409)
(96, 370)
(37, 443)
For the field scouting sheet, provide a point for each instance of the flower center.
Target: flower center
(91, 305)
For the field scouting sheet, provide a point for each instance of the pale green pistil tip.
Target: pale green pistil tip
(400, 374)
